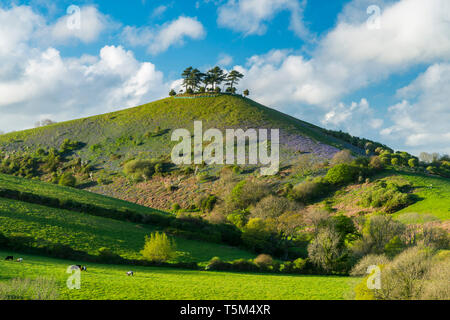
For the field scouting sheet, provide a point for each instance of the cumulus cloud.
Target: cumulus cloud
(84, 24)
(251, 16)
(225, 60)
(169, 34)
(350, 57)
(39, 83)
(355, 118)
(421, 120)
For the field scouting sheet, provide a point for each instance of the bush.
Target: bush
(402, 279)
(343, 156)
(263, 261)
(326, 250)
(158, 248)
(215, 264)
(376, 233)
(139, 169)
(342, 174)
(436, 286)
(386, 195)
(67, 179)
(243, 265)
(246, 193)
(360, 269)
(270, 207)
(308, 191)
(436, 238)
(257, 235)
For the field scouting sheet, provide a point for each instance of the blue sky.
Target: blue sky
(375, 68)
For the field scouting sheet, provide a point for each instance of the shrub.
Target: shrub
(343, 156)
(394, 247)
(376, 163)
(436, 238)
(270, 207)
(243, 265)
(308, 191)
(246, 193)
(67, 179)
(215, 264)
(360, 269)
(256, 235)
(401, 279)
(159, 248)
(263, 261)
(139, 169)
(376, 233)
(326, 250)
(342, 174)
(436, 286)
(172, 93)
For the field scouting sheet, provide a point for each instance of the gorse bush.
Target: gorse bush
(246, 193)
(139, 169)
(67, 179)
(159, 248)
(342, 174)
(388, 196)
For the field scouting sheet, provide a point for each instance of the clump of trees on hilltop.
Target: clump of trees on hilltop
(195, 81)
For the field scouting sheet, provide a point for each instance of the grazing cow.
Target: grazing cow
(130, 273)
(9, 258)
(19, 260)
(84, 268)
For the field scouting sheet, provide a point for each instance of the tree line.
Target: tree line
(195, 81)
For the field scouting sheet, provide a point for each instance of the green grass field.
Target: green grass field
(434, 200)
(149, 283)
(89, 233)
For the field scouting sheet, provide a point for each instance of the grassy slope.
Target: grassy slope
(433, 201)
(66, 193)
(89, 233)
(110, 282)
(123, 132)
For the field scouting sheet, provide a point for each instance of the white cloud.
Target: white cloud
(159, 11)
(160, 39)
(251, 16)
(38, 82)
(351, 57)
(90, 25)
(421, 120)
(225, 60)
(355, 118)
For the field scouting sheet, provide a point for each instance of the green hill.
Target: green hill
(146, 129)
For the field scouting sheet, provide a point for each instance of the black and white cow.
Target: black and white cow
(130, 273)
